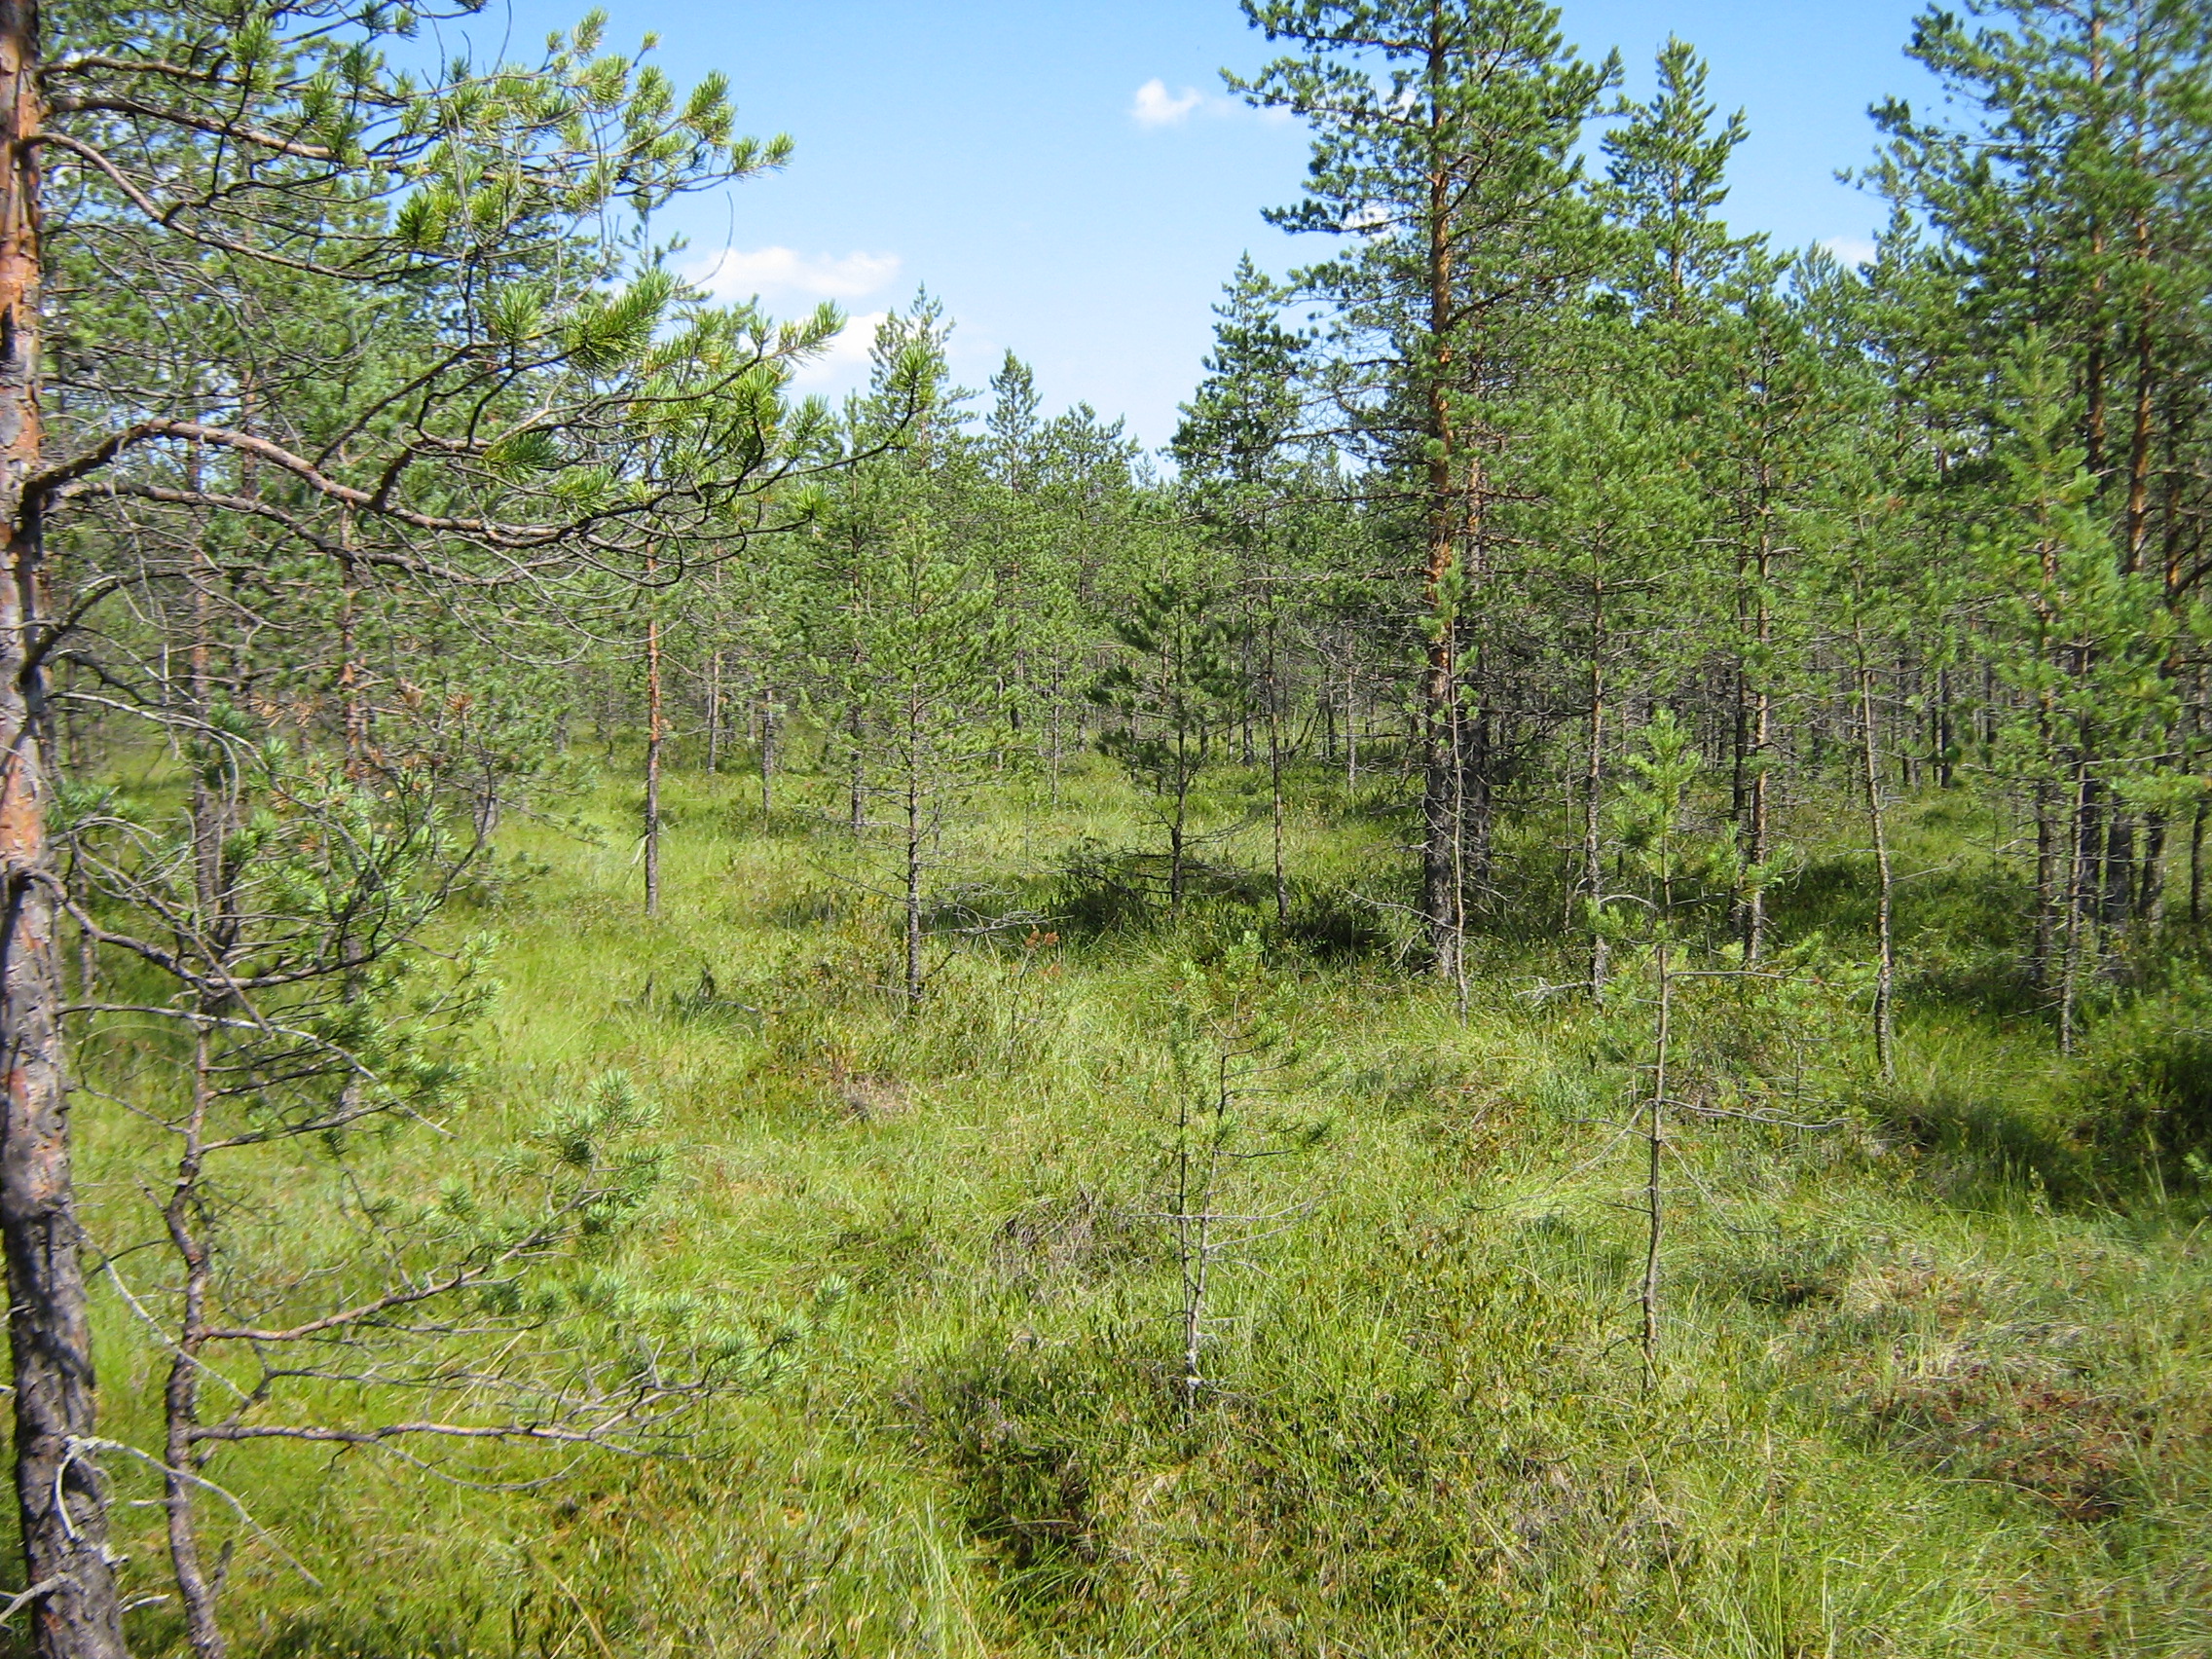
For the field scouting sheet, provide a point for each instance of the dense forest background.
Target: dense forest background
(1546, 992)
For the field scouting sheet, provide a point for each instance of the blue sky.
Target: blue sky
(1070, 178)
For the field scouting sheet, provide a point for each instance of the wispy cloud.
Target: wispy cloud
(843, 363)
(1157, 106)
(737, 273)
(1851, 250)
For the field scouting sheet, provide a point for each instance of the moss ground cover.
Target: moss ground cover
(1933, 1377)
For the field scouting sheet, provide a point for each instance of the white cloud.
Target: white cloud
(738, 273)
(1157, 106)
(842, 364)
(1851, 250)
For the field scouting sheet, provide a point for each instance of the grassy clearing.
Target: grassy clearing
(1931, 1386)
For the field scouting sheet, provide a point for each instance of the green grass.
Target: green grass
(1932, 1386)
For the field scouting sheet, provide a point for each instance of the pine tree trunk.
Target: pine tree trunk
(1176, 826)
(1244, 714)
(1441, 787)
(2081, 858)
(1458, 897)
(2049, 888)
(1477, 789)
(652, 760)
(352, 708)
(1593, 799)
(1275, 772)
(1655, 1151)
(1754, 729)
(181, 1394)
(1440, 794)
(2150, 890)
(2196, 863)
(2138, 521)
(2046, 938)
(58, 1489)
(2117, 902)
(1351, 732)
(714, 713)
(208, 829)
(767, 747)
(915, 760)
(1053, 718)
(1884, 897)
(855, 801)
(1945, 731)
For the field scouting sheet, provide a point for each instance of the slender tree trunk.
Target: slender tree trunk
(1985, 716)
(1458, 957)
(915, 760)
(1946, 735)
(858, 790)
(2093, 377)
(57, 1489)
(1325, 706)
(2045, 940)
(1884, 899)
(1754, 718)
(1442, 791)
(652, 755)
(1053, 720)
(2150, 890)
(1245, 753)
(1592, 801)
(1478, 795)
(1275, 771)
(2117, 899)
(2080, 857)
(2197, 862)
(209, 810)
(1175, 849)
(1194, 1227)
(181, 1395)
(2048, 887)
(1655, 1152)
(1352, 731)
(767, 747)
(353, 676)
(2139, 447)
(714, 711)
(1755, 842)
(1441, 787)
(1740, 744)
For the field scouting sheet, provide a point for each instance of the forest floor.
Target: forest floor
(1926, 1383)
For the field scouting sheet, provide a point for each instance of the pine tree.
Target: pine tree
(499, 391)
(1443, 151)
(1246, 486)
(931, 636)
(1171, 695)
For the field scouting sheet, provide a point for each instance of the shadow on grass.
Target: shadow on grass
(1991, 1124)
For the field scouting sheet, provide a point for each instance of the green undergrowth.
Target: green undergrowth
(1933, 1372)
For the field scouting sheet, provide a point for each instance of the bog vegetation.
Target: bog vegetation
(1546, 994)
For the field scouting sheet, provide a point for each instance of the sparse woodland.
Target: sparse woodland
(1547, 992)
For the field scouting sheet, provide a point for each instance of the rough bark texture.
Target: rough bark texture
(64, 1523)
